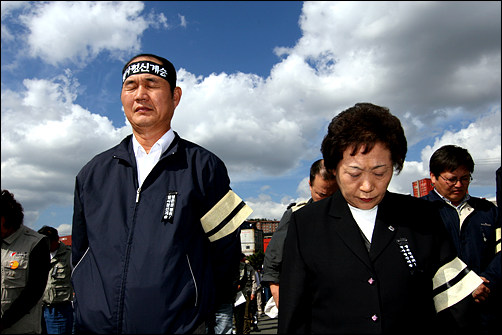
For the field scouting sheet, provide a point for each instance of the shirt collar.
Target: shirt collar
(164, 142)
(12, 237)
(462, 203)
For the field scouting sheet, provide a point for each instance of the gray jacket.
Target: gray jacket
(273, 256)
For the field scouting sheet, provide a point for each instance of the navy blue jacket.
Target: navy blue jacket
(475, 242)
(478, 247)
(138, 267)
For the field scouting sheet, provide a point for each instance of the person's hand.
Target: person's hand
(252, 296)
(274, 288)
(481, 293)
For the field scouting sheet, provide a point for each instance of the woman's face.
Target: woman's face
(363, 178)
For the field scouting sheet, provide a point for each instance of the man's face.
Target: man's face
(453, 185)
(148, 102)
(363, 178)
(322, 188)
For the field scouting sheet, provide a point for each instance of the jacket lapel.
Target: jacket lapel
(346, 228)
(384, 230)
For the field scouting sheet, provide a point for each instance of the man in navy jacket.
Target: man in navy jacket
(474, 226)
(156, 234)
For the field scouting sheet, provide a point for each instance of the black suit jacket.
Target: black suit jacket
(330, 283)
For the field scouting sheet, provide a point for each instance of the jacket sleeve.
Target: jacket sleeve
(221, 223)
(273, 255)
(493, 272)
(39, 266)
(453, 284)
(79, 230)
(294, 311)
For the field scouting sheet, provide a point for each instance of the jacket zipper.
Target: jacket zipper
(120, 314)
(137, 194)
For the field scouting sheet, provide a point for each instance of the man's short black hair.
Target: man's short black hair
(448, 158)
(50, 232)
(318, 168)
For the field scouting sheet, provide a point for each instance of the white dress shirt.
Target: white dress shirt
(146, 161)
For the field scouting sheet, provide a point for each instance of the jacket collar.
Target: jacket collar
(440, 197)
(385, 226)
(12, 237)
(348, 230)
(124, 150)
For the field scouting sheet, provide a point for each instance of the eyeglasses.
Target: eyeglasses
(453, 181)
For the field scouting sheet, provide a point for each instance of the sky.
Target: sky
(261, 81)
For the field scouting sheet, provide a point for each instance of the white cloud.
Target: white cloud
(434, 64)
(265, 208)
(183, 20)
(79, 30)
(64, 229)
(482, 138)
(272, 123)
(46, 139)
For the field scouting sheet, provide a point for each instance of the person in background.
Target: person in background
(25, 266)
(366, 260)
(247, 286)
(474, 226)
(155, 235)
(322, 184)
(255, 303)
(58, 295)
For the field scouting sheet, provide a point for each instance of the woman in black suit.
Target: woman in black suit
(366, 260)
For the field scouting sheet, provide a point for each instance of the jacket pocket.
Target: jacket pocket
(194, 282)
(15, 269)
(92, 305)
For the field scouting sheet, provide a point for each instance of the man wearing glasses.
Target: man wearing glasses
(475, 227)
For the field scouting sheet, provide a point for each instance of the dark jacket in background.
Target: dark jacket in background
(273, 256)
(478, 246)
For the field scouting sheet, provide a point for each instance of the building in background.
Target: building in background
(267, 226)
(256, 234)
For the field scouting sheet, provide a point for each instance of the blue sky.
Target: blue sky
(260, 80)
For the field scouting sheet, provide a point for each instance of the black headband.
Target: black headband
(147, 67)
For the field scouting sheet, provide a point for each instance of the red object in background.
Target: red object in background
(266, 241)
(422, 187)
(65, 239)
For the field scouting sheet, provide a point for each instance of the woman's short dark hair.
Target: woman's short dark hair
(11, 210)
(449, 158)
(364, 125)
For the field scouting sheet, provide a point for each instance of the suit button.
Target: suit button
(374, 318)
(371, 281)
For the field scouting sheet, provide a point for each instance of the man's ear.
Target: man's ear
(177, 95)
